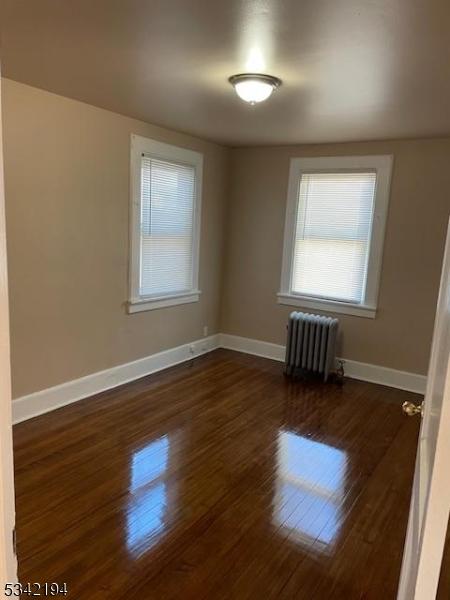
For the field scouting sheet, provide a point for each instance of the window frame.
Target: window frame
(159, 150)
(382, 165)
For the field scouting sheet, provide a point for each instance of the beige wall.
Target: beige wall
(67, 197)
(400, 336)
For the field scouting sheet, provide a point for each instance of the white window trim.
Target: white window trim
(383, 167)
(139, 146)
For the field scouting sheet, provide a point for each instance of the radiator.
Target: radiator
(311, 342)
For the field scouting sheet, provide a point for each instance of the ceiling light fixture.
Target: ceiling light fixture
(254, 87)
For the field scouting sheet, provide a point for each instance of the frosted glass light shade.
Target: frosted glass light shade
(254, 88)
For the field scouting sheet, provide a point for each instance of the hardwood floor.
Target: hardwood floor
(218, 480)
(444, 581)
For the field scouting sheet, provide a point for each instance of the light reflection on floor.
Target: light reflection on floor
(310, 491)
(147, 508)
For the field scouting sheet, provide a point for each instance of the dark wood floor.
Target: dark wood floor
(444, 582)
(218, 480)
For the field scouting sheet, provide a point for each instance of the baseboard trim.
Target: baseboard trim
(38, 403)
(251, 346)
(403, 380)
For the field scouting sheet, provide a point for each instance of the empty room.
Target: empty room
(225, 299)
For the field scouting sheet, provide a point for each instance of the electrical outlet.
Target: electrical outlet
(205, 331)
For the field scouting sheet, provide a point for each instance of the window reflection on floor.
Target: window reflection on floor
(147, 508)
(310, 490)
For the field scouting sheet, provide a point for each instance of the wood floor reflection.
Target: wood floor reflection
(219, 479)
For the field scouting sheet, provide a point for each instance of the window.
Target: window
(165, 224)
(334, 233)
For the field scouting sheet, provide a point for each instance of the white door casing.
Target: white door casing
(430, 500)
(8, 563)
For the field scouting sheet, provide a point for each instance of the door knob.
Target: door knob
(411, 409)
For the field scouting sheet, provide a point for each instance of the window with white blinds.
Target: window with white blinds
(166, 198)
(334, 233)
(331, 247)
(167, 227)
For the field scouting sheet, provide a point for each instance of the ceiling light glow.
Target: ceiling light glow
(254, 87)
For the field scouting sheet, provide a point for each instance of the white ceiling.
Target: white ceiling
(351, 69)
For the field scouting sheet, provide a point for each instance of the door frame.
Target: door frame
(8, 561)
(429, 515)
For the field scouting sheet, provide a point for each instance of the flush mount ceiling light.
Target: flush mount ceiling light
(254, 87)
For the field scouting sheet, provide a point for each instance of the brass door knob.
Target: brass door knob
(411, 409)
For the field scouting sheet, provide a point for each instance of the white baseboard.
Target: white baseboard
(49, 399)
(46, 400)
(250, 346)
(402, 380)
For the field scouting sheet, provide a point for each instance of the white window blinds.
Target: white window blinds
(167, 227)
(332, 235)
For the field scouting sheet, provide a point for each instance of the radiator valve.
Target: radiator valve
(340, 372)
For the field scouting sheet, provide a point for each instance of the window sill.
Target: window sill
(143, 304)
(345, 308)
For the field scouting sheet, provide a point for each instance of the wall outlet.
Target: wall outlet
(205, 331)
